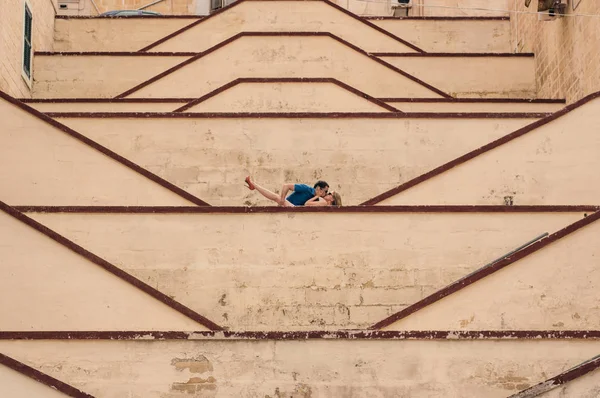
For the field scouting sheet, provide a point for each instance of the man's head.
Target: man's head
(321, 188)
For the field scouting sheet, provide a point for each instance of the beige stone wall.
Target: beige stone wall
(452, 8)
(16, 385)
(96, 76)
(122, 34)
(278, 103)
(107, 106)
(282, 16)
(61, 290)
(325, 368)
(492, 107)
(113, 34)
(460, 8)
(11, 41)
(248, 56)
(41, 165)
(460, 35)
(465, 76)
(366, 8)
(567, 59)
(287, 97)
(554, 164)
(303, 271)
(166, 7)
(552, 289)
(360, 157)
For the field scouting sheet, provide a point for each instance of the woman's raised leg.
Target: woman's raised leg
(267, 194)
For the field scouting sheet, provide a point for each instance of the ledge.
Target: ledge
(433, 18)
(455, 55)
(277, 209)
(113, 54)
(130, 17)
(308, 335)
(395, 99)
(301, 115)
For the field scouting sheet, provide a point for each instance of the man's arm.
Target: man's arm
(284, 191)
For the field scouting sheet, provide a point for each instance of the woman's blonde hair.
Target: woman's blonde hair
(337, 199)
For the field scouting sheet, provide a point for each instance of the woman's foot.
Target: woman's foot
(250, 184)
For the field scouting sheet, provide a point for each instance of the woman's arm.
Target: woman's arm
(316, 202)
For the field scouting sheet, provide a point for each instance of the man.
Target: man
(301, 194)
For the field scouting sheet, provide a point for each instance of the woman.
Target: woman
(302, 195)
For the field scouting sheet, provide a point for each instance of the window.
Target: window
(27, 42)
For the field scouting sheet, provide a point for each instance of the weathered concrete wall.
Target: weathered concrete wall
(554, 164)
(366, 8)
(11, 41)
(107, 106)
(175, 369)
(291, 104)
(51, 288)
(123, 34)
(449, 36)
(41, 165)
(360, 157)
(282, 16)
(113, 34)
(287, 97)
(492, 107)
(567, 58)
(444, 8)
(554, 288)
(166, 7)
(302, 271)
(505, 77)
(249, 56)
(461, 8)
(16, 385)
(95, 76)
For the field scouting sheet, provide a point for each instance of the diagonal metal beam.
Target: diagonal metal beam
(42, 377)
(177, 306)
(486, 271)
(558, 380)
(102, 149)
(479, 151)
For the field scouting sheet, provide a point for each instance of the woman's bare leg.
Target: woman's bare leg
(266, 193)
(270, 195)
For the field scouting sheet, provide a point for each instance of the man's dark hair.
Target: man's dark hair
(321, 184)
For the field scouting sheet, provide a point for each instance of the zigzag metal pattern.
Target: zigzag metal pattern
(242, 80)
(264, 34)
(232, 5)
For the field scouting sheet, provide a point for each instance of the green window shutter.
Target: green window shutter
(27, 42)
